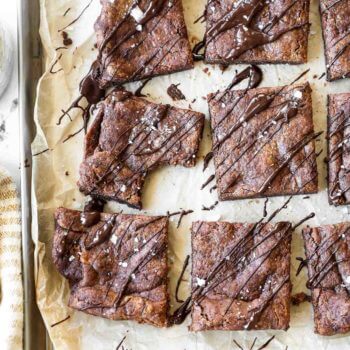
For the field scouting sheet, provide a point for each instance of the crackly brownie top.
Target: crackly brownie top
(328, 261)
(240, 275)
(263, 142)
(335, 26)
(131, 136)
(339, 148)
(140, 39)
(115, 264)
(257, 31)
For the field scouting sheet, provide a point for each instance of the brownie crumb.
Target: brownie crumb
(66, 39)
(175, 93)
(300, 298)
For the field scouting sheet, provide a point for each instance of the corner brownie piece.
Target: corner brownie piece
(335, 16)
(263, 142)
(116, 264)
(328, 261)
(339, 149)
(131, 136)
(240, 276)
(257, 31)
(141, 39)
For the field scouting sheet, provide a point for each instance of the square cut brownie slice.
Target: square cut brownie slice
(263, 142)
(339, 149)
(256, 31)
(335, 16)
(328, 261)
(240, 276)
(116, 264)
(141, 39)
(131, 136)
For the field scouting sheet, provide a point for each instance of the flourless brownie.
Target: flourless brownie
(339, 149)
(335, 16)
(328, 260)
(131, 136)
(116, 264)
(141, 39)
(240, 276)
(257, 31)
(263, 142)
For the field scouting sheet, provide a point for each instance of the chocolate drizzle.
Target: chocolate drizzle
(233, 257)
(247, 35)
(59, 322)
(89, 219)
(102, 234)
(178, 283)
(138, 91)
(137, 141)
(91, 87)
(264, 346)
(252, 73)
(330, 246)
(286, 111)
(338, 136)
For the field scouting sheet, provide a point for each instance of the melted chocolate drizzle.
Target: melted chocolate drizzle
(337, 129)
(234, 256)
(178, 283)
(328, 245)
(138, 91)
(102, 234)
(90, 88)
(59, 322)
(89, 219)
(246, 36)
(257, 104)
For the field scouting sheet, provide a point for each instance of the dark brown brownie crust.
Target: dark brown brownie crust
(119, 272)
(335, 16)
(263, 149)
(339, 149)
(130, 137)
(245, 272)
(158, 46)
(243, 41)
(328, 260)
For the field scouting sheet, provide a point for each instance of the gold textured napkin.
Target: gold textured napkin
(11, 297)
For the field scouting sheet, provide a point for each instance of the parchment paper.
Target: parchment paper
(167, 189)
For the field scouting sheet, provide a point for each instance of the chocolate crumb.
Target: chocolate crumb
(223, 67)
(175, 93)
(66, 39)
(66, 173)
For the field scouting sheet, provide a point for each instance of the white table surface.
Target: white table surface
(9, 120)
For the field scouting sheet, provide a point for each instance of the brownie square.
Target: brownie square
(116, 264)
(240, 276)
(130, 137)
(328, 261)
(339, 149)
(263, 142)
(335, 16)
(141, 39)
(257, 31)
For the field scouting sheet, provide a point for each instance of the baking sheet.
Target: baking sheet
(55, 173)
